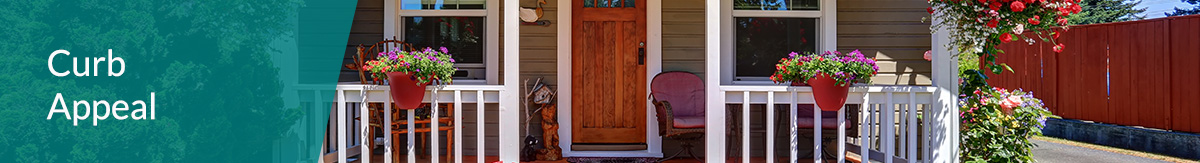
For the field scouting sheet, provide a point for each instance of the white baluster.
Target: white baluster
(458, 127)
(434, 126)
(912, 127)
(479, 132)
(387, 129)
(746, 126)
(889, 134)
(364, 120)
(864, 135)
(770, 126)
(817, 134)
(792, 123)
(341, 125)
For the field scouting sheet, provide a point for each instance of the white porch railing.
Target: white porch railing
(359, 96)
(878, 120)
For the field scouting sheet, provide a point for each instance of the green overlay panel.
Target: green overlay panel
(202, 81)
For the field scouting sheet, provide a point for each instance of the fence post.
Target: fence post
(509, 97)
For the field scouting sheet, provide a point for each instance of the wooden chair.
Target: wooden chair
(399, 121)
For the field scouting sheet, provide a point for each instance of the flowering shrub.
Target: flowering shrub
(426, 66)
(845, 69)
(997, 124)
(977, 26)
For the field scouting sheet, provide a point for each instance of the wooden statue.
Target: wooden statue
(551, 151)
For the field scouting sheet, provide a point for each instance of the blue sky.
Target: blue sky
(1156, 8)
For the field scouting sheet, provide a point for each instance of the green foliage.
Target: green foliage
(1107, 11)
(426, 66)
(979, 26)
(844, 69)
(997, 124)
(1192, 11)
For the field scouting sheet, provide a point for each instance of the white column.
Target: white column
(389, 18)
(943, 117)
(509, 98)
(714, 134)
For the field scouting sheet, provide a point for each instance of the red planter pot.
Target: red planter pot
(829, 96)
(405, 90)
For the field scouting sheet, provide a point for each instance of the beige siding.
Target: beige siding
(891, 31)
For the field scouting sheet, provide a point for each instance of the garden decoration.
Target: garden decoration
(408, 72)
(830, 74)
(978, 26)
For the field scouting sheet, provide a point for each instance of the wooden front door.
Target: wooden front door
(608, 72)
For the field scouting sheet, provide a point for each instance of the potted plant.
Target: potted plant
(408, 72)
(830, 74)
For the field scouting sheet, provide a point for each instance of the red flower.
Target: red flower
(1034, 20)
(1017, 6)
(1005, 38)
(1058, 48)
(994, 6)
(1062, 21)
(1029, 1)
(983, 1)
(930, 9)
(1055, 34)
(993, 23)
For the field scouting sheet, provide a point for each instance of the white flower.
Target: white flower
(1019, 29)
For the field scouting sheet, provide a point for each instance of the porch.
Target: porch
(893, 120)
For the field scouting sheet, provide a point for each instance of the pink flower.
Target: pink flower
(1009, 103)
(1058, 48)
(928, 56)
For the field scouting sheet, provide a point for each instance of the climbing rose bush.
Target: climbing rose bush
(997, 125)
(978, 26)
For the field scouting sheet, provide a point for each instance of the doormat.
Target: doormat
(611, 159)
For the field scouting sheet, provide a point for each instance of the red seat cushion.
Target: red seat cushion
(689, 122)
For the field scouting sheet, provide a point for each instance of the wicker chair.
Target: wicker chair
(678, 98)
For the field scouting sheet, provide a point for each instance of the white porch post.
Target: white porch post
(509, 103)
(714, 134)
(943, 129)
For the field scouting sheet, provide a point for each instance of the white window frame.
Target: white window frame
(393, 28)
(826, 16)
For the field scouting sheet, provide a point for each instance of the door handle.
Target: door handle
(641, 56)
(642, 53)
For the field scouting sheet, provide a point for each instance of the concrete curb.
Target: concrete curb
(1177, 144)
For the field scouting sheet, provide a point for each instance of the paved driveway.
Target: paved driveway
(1055, 152)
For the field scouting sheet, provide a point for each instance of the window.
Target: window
(462, 26)
(764, 31)
(463, 36)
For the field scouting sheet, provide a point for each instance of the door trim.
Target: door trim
(653, 67)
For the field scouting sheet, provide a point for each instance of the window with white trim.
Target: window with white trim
(462, 26)
(765, 31)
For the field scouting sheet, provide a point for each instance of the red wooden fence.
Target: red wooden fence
(1138, 73)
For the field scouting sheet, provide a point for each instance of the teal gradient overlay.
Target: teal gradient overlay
(232, 78)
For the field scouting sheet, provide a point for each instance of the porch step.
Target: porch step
(608, 147)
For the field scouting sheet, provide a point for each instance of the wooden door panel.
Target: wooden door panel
(608, 82)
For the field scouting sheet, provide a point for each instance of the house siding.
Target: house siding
(890, 30)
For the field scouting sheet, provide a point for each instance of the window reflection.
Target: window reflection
(441, 4)
(463, 36)
(761, 42)
(775, 5)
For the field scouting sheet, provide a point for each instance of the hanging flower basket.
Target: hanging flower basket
(829, 95)
(406, 92)
(408, 72)
(830, 74)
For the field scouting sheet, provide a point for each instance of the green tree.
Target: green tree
(1107, 11)
(1181, 12)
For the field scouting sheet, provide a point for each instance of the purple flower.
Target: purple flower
(444, 49)
(452, 60)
